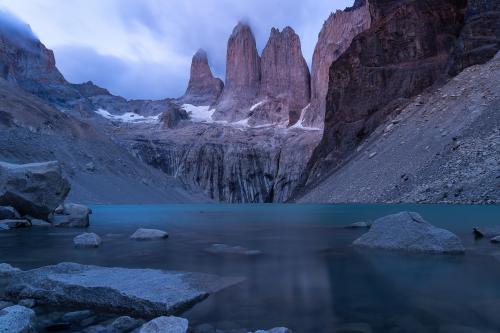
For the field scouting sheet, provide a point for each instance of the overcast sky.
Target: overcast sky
(143, 48)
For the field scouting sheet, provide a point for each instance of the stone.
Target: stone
(87, 240)
(335, 37)
(8, 213)
(242, 75)
(149, 234)
(232, 250)
(276, 330)
(39, 223)
(77, 316)
(165, 325)
(145, 293)
(285, 74)
(96, 329)
(203, 88)
(124, 324)
(489, 232)
(27, 302)
(173, 116)
(71, 216)
(495, 240)
(17, 319)
(8, 269)
(359, 225)
(33, 189)
(88, 321)
(90, 167)
(13, 224)
(408, 231)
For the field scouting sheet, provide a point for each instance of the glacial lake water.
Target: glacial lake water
(308, 278)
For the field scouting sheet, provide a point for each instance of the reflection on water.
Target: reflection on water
(309, 278)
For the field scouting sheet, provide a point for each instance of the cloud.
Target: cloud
(143, 48)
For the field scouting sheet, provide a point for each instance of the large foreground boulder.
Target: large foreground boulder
(408, 231)
(71, 216)
(146, 293)
(33, 189)
(17, 319)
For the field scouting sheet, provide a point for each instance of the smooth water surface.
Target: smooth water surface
(309, 278)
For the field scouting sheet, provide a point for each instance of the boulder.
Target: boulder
(17, 319)
(165, 325)
(124, 324)
(408, 231)
(8, 213)
(77, 316)
(495, 240)
(33, 189)
(276, 330)
(359, 225)
(12, 224)
(71, 216)
(231, 250)
(27, 303)
(149, 234)
(489, 232)
(8, 269)
(87, 240)
(39, 223)
(145, 293)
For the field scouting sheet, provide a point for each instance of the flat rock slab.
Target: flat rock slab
(224, 249)
(145, 293)
(489, 232)
(408, 231)
(149, 234)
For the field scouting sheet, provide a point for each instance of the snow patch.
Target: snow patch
(255, 106)
(299, 124)
(128, 117)
(199, 114)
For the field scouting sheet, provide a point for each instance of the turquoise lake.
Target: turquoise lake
(308, 278)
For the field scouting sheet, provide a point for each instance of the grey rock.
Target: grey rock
(495, 240)
(165, 325)
(33, 189)
(276, 330)
(72, 216)
(39, 223)
(149, 234)
(359, 225)
(88, 321)
(96, 329)
(77, 316)
(141, 292)
(124, 324)
(408, 231)
(27, 303)
(227, 249)
(17, 319)
(13, 224)
(87, 240)
(8, 213)
(489, 232)
(8, 269)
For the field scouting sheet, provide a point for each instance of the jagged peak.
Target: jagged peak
(200, 54)
(242, 28)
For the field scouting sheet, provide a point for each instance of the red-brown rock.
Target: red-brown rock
(203, 87)
(333, 40)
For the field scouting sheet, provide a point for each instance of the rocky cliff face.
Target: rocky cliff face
(203, 87)
(405, 51)
(480, 37)
(333, 40)
(285, 74)
(242, 75)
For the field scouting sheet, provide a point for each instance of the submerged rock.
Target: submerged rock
(145, 293)
(276, 330)
(489, 232)
(77, 316)
(87, 240)
(227, 249)
(8, 269)
(359, 225)
(13, 224)
(165, 325)
(8, 213)
(124, 324)
(495, 240)
(33, 189)
(17, 319)
(71, 216)
(149, 234)
(408, 231)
